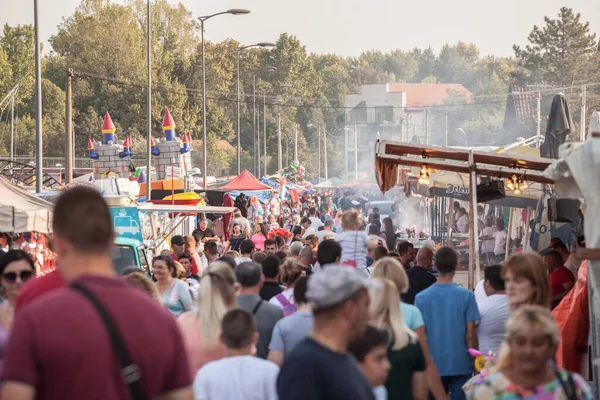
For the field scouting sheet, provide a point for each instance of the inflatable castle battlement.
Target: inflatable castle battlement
(110, 155)
(172, 153)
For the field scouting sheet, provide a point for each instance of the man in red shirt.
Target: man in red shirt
(561, 279)
(60, 347)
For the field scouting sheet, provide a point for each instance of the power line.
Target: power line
(248, 98)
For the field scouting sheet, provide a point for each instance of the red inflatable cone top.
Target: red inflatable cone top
(127, 142)
(152, 142)
(90, 145)
(108, 126)
(168, 123)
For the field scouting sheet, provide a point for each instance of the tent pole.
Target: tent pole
(473, 226)
(508, 233)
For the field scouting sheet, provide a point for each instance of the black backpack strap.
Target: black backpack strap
(257, 306)
(568, 385)
(129, 372)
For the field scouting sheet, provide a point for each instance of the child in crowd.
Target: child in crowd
(240, 375)
(353, 242)
(370, 350)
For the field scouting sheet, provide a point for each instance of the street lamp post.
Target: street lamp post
(234, 11)
(256, 121)
(38, 102)
(237, 56)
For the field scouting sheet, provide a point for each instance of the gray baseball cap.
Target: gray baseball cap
(336, 284)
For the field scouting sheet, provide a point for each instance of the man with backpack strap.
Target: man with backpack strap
(250, 277)
(290, 272)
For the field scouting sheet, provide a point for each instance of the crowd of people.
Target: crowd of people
(257, 313)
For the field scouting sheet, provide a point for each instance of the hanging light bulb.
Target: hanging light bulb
(524, 185)
(424, 175)
(517, 191)
(510, 185)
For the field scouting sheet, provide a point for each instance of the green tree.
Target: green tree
(17, 44)
(562, 52)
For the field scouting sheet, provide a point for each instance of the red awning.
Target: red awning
(245, 181)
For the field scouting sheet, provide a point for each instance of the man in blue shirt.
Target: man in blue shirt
(450, 313)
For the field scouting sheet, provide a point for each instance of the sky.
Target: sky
(348, 27)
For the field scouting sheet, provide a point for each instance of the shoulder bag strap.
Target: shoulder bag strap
(256, 307)
(130, 373)
(568, 385)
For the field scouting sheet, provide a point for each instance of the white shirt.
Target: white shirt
(480, 291)
(494, 313)
(309, 231)
(463, 224)
(239, 260)
(487, 246)
(500, 242)
(573, 264)
(321, 234)
(237, 378)
(289, 295)
(315, 222)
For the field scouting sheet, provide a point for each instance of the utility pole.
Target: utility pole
(427, 127)
(539, 114)
(279, 150)
(355, 152)
(325, 152)
(149, 108)
(318, 154)
(69, 129)
(258, 141)
(238, 126)
(582, 134)
(39, 145)
(446, 133)
(12, 127)
(265, 130)
(287, 151)
(346, 130)
(296, 142)
(254, 125)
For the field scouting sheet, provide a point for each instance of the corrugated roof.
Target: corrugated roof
(420, 95)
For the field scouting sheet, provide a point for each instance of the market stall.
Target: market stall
(391, 155)
(27, 220)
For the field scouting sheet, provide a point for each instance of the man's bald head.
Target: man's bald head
(424, 257)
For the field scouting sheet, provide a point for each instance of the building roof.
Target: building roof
(420, 95)
(222, 145)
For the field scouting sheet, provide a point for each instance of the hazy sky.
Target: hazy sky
(348, 27)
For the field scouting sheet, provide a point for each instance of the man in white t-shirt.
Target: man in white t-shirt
(494, 311)
(315, 221)
(499, 237)
(307, 228)
(240, 375)
(327, 232)
(462, 224)
(487, 246)
(246, 250)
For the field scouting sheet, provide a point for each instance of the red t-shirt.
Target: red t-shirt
(558, 278)
(38, 287)
(62, 348)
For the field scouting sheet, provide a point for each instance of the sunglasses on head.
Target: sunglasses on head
(11, 277)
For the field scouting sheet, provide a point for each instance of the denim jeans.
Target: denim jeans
(454, 384)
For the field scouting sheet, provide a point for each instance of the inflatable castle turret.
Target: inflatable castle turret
(109, 155)
(173, 153)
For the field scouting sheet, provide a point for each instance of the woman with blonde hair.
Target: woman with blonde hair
(140, 280)
(526, 280)
(391, 269)
(353, 242)
(526, 368)
(201, 327)
(406, 379)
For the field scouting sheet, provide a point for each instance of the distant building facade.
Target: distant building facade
(390, 111)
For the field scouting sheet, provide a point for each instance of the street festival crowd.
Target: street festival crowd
(320, 300)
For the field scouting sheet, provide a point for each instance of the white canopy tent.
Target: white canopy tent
(21, 211)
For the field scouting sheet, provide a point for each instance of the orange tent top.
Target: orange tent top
(245, 181)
